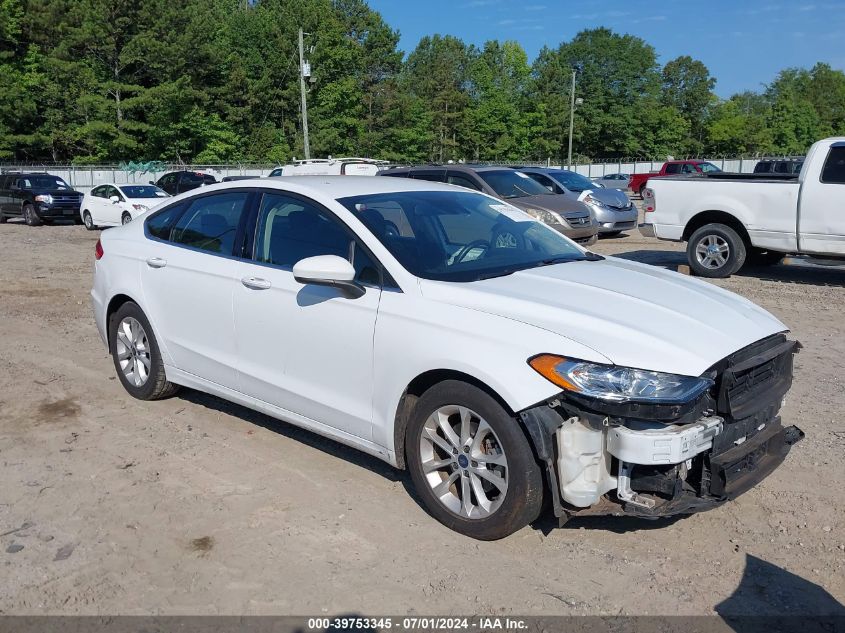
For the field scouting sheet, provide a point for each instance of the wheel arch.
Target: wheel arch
(716, 217)
(417, 387)
(113, 306)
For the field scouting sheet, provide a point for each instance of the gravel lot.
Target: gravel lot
(193, 505)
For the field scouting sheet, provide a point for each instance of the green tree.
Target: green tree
(688, 87)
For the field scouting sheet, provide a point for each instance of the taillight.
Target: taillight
(649, 204)
(98, 251)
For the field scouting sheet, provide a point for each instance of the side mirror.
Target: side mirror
(115, 199)
(328, 270)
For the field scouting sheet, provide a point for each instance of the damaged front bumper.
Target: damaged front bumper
(707, 453)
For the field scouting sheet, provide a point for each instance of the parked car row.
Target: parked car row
(565, 200)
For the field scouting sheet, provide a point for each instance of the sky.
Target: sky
(744, 43)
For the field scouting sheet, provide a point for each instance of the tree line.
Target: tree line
(213, 81)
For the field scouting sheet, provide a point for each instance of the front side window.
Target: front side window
(833, 171)
(291, 229)
(708, 168)
(99, 192)
(211, 222)
(547, 182)
(508, 183)
(460, 235)
(688, 169)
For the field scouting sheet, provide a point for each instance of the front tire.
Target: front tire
(471, 462)
(136, 355)
(30, 217)
(125, 218)
(88, 221)
(715, 250)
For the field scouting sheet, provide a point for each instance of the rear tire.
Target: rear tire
(484, 482)
(30, 217)
(88, 221)
(715, 250)
(136, 355)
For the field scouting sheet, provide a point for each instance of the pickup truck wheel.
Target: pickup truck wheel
(471, 463)
(136, 355)
(715, 250)
(30, 217)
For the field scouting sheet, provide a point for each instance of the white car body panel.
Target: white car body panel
(768, 209)
(345, 364)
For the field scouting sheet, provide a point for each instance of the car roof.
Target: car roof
(334, 187)
(463, 167)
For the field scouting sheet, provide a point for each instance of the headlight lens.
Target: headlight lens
(547, 217)
(45, 198)
(140, 208)
(618, 384)
(591, 199)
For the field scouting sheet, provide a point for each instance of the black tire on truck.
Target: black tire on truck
(716, 250)
(30, 216)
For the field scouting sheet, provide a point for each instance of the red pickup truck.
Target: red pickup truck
(638, 182)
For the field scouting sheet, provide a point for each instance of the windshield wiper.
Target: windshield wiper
(586, 257)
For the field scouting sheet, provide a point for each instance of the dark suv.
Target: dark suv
(38, 198)
(565, 215)
(176, 182)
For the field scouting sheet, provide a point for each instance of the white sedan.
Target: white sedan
(113, 205)
(451, 334)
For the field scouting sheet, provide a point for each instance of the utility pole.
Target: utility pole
(302, 71)
(571, 119)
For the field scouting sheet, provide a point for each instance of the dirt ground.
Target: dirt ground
(195, 506)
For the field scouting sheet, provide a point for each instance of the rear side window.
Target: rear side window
(159, 225)
(211, 222)
(833, 171)
(673, 168)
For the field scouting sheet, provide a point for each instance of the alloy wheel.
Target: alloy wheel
(89, 222)
(133, 351)
(712, 251)
(463, 462)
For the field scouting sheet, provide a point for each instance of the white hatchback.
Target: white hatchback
(113, 205)
(452, 335)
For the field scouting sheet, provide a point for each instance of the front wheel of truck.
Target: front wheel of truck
(715, 250)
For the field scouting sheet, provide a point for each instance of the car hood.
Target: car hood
(551, 202)
(632, 314)
(611, 197)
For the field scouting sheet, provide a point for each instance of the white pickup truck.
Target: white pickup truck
(730, 219)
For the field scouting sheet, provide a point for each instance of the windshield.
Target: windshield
(43, 182)
(708, 168)
(143, 191)
(460, 236)
(572, 181)
(513, 184)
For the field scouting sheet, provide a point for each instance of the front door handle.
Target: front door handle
(256, 283)
(156, 262)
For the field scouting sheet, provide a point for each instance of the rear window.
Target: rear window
(833, 171)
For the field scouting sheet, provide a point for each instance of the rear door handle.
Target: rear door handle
(156, 262)
(256, 283)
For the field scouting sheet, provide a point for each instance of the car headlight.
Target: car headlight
(140, 208)
(618, 384)
(590, 199)
(45, 198)
(547, 217)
